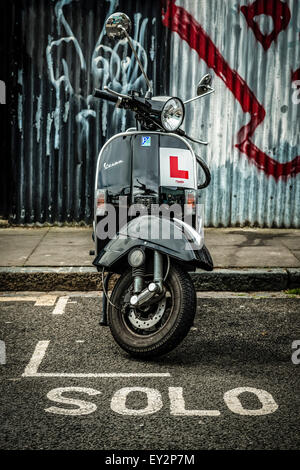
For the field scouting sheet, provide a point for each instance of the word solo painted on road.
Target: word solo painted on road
(154, 402)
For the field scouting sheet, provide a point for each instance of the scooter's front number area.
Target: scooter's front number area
(155, 330)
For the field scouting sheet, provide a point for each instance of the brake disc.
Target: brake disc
(136, 321)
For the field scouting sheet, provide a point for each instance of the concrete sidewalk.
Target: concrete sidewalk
(46, 252)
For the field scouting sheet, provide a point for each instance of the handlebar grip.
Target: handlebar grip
(104, 95)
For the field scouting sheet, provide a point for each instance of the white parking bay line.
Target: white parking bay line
(36, 359)
(31, 369)
(46, 300)
(40, 301)
(103, 375)
(60, 305)
(18, 299)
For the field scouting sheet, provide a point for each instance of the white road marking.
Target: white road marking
(45, 300)
(84, 407)
(177, 405)
(31, 369)
(91, 375)
(40, 301)
(154, 401)
(296, 354)
(96, 294)
(233, 402)
(59, 308)
(2, 353)
(36, 359)
(18, 299)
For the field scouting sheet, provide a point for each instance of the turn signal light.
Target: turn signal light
(190, 201)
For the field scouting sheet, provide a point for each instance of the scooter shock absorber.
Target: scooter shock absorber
(138, 275)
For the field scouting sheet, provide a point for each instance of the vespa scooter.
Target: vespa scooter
(146, 178)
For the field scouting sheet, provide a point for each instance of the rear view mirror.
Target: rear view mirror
(116, 25)
(204, 85)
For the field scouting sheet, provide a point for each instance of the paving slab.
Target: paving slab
(256, 257)
(70, 246)
(16, 246)
(63, 248)
(296, 253)
(291, 242)
(253, 237)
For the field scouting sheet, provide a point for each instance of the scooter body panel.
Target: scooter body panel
(170, 237)
(145, 168)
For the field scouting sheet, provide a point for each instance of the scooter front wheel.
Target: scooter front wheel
(159, 326)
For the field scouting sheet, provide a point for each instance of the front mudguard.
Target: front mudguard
(186, 247)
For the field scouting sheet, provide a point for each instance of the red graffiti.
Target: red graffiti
(180, 21)
(295, 75)
(278, 10)
(174, 170)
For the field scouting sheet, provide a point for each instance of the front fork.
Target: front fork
(158, 270)
(140, 296)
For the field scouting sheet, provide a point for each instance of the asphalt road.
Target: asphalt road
(232, 384)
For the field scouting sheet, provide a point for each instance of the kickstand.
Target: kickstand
(103, 316)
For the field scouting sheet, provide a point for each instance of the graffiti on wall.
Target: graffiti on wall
(179, 20)
(113, 66)
(252, 122)
(2, 92)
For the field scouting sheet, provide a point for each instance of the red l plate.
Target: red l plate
(174, 170)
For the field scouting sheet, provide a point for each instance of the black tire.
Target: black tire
(178, 319)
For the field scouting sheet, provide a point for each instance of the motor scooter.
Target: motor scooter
(148, 227)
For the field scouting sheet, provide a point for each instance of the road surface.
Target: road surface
(234, 382)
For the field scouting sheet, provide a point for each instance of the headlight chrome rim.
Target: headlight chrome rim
(171, 119)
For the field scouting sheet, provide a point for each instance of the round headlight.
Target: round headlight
(172, 114)
(136, 257)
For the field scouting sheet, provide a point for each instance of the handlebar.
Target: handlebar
(104, 95)
(114, 97)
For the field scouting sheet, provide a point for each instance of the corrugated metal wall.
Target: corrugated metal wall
(58, 53)
(252, 49)
(5, 124)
